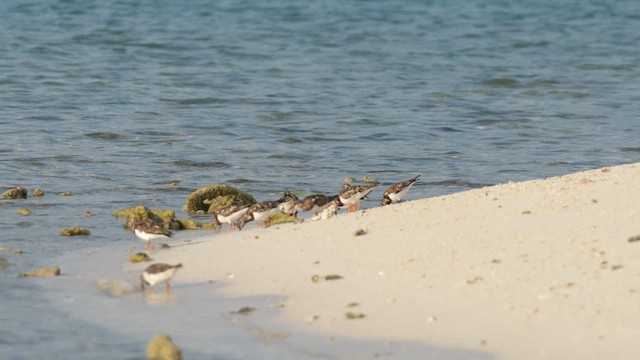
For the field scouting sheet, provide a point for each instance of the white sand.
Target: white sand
(540, 269)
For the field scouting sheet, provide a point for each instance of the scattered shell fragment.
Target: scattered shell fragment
(359, 232)
(353, 304)
(634, 238)
(139, 257)
(475, 280)
(354, 315)
(431, 319)
(333, 277)
(245, 310)
(24, 211)
(75, 231)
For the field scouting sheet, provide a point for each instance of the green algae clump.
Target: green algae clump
(162, 347)
(214, 197)
(37, 192)
(24, 211)
(45, 271)
(280, 218)
(187, 224)
(166, 217)
(75, 231)
(139, 257)
(15, 193)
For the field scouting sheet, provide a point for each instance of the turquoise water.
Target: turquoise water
(115, 100)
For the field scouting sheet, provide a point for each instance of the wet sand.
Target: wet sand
(539, 269)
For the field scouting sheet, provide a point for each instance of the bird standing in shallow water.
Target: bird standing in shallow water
(157, 274)
(395, 192)
(148, 230)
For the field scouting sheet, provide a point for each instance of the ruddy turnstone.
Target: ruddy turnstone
(230, 215)
(395, 192)
(148, 230)
(288, 203)
(259, 212)
(350, 195)
(157, 274)
(317, 203)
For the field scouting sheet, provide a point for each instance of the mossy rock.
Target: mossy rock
(162, 347)
(280, 218)
(24, 211)
(37, 192)
(139, 257)
(15, 193)
(75, 231)
(167, 217)
(187, 224)
(45, 271)
(4, 263)
(214, 197)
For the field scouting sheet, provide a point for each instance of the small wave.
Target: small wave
(198, 164)
(109, 136)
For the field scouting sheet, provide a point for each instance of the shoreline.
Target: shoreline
(535, 269)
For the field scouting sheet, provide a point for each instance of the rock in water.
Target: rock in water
(15, 193)
(161, 347)
(4, 263)
(214, 197)
(45, 271)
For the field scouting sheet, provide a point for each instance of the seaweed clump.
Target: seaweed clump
(214, 197)
(162, 347)
(45, 271)
(166, 217)
(15, 193)
(75, 231)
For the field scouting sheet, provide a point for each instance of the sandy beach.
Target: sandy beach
(541, 269)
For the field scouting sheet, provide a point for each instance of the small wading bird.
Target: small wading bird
(157, 274)
(350, 195)
(259, 212)
(230, 215)
(288, 204)
(395, 192)
(317, 203)
(148, 230)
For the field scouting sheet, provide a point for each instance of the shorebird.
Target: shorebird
(317, 203)
(350, 195)
(259, 212)
(395, 192)
(157, 274)
(148, 230)
(288, 203)
(230, 215)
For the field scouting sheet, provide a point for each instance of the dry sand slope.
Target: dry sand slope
(542, 269)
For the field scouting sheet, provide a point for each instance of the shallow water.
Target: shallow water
(116, 101)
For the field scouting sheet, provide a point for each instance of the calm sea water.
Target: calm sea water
(115, 100)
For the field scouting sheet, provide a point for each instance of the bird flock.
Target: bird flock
(322, 206)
